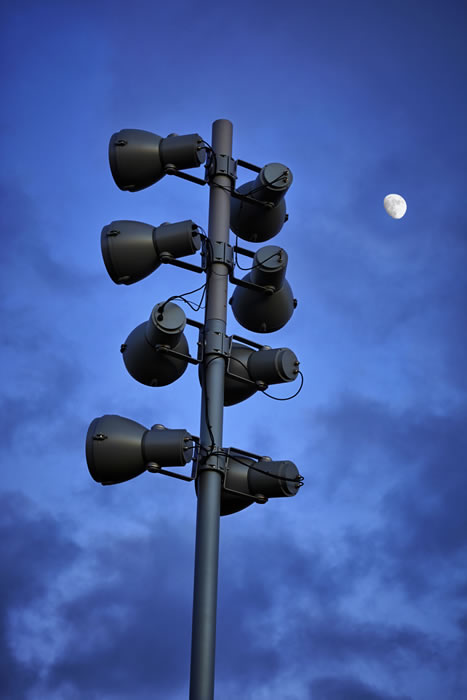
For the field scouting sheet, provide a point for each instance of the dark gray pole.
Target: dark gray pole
(203, 642)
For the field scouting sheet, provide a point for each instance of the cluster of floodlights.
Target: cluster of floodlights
(156, 352)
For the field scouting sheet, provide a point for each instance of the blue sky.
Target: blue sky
(356, 588)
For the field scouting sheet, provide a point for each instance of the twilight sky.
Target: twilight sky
(355, 589)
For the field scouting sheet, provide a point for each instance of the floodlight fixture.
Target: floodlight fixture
(132, 249)
(248, 481)
(139, 159)
(268, 309)
(156, 352)
(250, 370)
(119, 449)
(256, 222)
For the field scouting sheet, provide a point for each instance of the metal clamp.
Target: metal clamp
(214, 460)
(216, 343)
(221, 253)
(220, 164)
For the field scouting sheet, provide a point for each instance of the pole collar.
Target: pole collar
(220, 164)
(214, 461)
(219, 252)
(216, 343)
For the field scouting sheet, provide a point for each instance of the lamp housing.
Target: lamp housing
(139, 159)
(146, 351)
(249, 370)
(269, 309)
(132, 250)
(119, 449)
(254, 222)
(247, 481)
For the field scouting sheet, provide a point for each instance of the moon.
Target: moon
(395, 205)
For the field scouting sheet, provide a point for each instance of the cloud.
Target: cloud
(128, 635)
(290, 604)
(348, 689)
(406, 467)
(99, 620)
(34, 552)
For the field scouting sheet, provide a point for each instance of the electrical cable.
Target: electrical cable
(263, 391)
(208, 146)
(206, 408)
(193, 306)
(222, 187)
(287, 398)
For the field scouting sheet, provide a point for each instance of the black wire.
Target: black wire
(208, 145)
(263, 391)
(222, 187)
(192, 305)
(197, 308)
(211, 153)
(287, 398)
(206, 408)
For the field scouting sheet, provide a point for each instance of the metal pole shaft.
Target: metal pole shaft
(203, 643)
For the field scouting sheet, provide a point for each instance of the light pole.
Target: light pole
(156, 352)
(212, 410)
